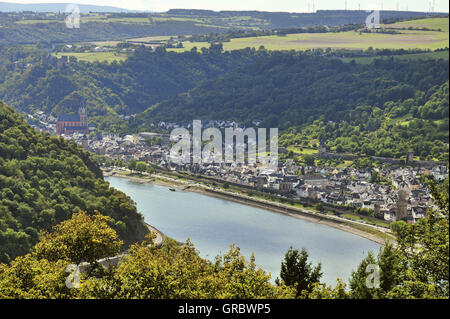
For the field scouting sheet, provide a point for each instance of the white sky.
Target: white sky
(261, 5)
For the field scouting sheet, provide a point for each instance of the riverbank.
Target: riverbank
(373, 233)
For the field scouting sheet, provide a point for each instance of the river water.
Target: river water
(214, 224)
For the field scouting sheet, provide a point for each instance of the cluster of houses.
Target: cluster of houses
(397, 192)
(400, 194)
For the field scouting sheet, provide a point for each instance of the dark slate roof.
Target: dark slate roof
(69, 118)
(75, 128)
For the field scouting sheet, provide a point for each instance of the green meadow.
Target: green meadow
(95, 56)
(407, 39)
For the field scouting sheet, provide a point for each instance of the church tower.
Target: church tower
(83, 116)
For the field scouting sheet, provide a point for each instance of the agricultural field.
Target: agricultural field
(38, 21)
(302, 150)
(422, 23)
(407, 39)
(95, 56)
(133, 40)
(92, 17)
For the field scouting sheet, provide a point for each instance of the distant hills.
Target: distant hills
(55, 7)
(277, 20)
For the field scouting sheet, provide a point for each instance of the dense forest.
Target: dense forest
(43, 180)
(348, 104)
(418, 124)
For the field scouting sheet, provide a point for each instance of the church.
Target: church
(73, 123)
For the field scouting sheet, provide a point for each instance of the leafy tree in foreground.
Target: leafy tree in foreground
(424, 249)
(297, 272)
(82, 238)
(148, 272)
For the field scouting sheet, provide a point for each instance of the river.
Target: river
(214, 224)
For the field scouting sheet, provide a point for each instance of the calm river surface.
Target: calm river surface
(214, 224)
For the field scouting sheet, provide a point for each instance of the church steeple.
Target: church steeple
(83, 114)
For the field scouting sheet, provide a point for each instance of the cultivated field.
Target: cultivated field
(408, 39)
(95, 56)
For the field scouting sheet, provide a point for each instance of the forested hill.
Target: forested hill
(294, 89)
(43, 180)
(110, 89)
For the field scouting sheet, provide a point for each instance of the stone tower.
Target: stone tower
(409, 157)
(322, 148)
(402, 201)
(83, 116)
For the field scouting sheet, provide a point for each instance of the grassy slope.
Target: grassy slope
(95, 56)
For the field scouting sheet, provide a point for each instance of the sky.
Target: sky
(262, 5)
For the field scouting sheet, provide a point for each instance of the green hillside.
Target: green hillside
(355, 107)
(43, 180)
(145, 78)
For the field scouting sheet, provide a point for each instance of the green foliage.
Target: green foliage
(113, 89)
(309, 159)
(82, 238)
(391, 274)
(30, 278)
(322, 291)
(424, 248)
(298, 273)
(172, 272)
(141, 167)
(385, 108)
(132, 164)
(44, 180)
(418, 267)
(113, 26)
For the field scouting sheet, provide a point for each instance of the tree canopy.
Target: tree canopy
(44, 180)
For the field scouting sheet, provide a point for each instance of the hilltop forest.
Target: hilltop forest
(404, 104)
(118, 88)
